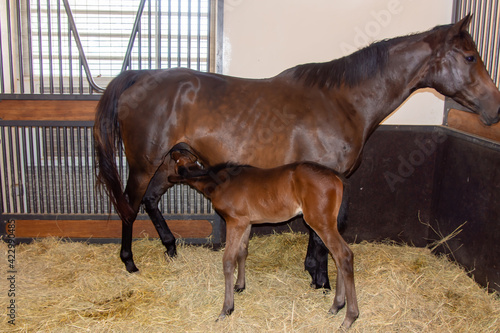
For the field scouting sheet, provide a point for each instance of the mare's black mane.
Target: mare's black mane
(352, 69)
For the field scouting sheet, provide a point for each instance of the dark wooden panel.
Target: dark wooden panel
(108, 228)
(467, 190)
(47, 110)
(392, 189)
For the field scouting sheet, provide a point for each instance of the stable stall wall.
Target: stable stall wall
(425, 184)
(261, 38)
(465, 198)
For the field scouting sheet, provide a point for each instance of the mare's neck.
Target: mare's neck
(376, 98)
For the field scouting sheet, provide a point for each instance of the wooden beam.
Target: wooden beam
(51, 110)
(107, 228)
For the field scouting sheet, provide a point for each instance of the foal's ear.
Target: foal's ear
(175, 155)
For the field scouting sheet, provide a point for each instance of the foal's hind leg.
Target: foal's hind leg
(344, 259)
(242, 257)
(157, 187)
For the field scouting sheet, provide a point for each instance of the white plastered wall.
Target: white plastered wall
(264, 37)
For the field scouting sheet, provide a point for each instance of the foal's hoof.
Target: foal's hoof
(239, 289)
(336, 308)
(225, 314)
(348, 321)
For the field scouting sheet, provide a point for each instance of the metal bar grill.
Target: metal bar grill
(48, 168)
(38, 39)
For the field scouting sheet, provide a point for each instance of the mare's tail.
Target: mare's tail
(107, 139)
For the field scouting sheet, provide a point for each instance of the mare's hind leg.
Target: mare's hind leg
(136, 187)
(242, 257)
(316, 262)
(126, 250)
(157, 187)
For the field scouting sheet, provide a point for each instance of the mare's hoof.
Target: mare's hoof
(172, 253)
(171, 250)
(325, 286)
(131, 268)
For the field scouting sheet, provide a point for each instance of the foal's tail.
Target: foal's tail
(107, 139)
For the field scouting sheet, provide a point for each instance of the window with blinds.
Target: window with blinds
(65, 46)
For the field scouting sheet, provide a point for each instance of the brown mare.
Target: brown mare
(321, 112)
(245, 195)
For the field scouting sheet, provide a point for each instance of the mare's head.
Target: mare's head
(457, 71)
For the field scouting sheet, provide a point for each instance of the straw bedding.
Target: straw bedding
(77, 287)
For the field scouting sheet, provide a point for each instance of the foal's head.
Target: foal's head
(187, 163)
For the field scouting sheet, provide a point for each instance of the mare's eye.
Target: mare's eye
(470, 59)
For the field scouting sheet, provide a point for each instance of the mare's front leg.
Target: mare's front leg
(157, 187)
(316, 262)
(242, 257)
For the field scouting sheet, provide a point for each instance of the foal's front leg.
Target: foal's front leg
(242, 257)
(234, 236)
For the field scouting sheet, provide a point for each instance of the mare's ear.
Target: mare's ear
(460, 26)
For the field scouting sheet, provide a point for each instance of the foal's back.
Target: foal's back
(278, 194)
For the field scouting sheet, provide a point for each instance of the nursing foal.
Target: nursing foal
(245, 195)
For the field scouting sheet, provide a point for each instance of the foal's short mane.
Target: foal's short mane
(213, 170)
(352, 69)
